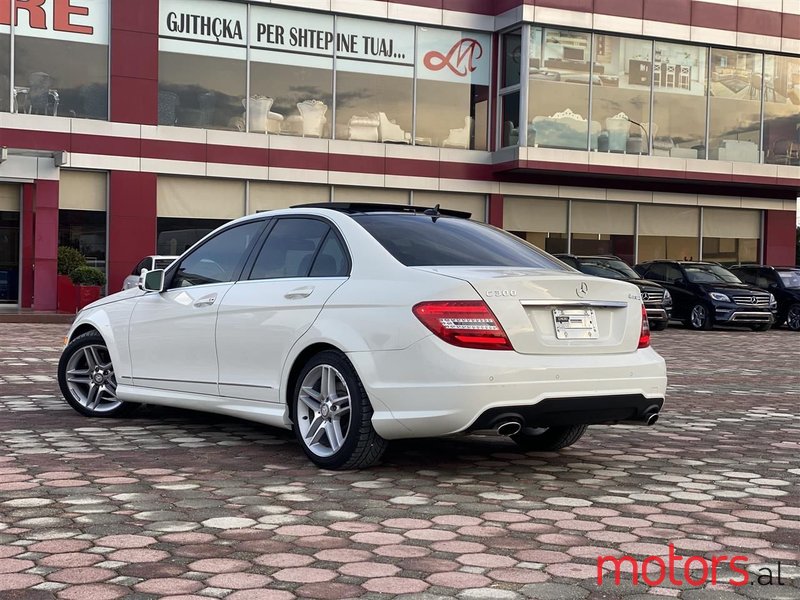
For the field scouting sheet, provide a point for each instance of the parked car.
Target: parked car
(705, 294)
(150, 263)
(354, 324)
(783, 283)
(656, 298)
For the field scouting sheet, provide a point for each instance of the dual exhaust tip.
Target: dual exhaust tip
(509, 425)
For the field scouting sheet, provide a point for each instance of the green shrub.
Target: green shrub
(69, 259)
(88, 276)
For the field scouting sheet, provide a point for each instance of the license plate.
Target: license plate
(575, 323)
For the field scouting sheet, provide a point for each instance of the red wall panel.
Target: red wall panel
(779, 237)
(496, 210)
(763, 22)
(675, 11)
(45, 245)
(131, 223)
(714, 16)
(620, 8)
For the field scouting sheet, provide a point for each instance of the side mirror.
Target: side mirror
(680, 281)
(152, 281)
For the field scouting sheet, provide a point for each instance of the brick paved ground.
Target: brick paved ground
(181, 505)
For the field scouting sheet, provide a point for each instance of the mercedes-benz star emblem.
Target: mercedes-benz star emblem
(582, 290)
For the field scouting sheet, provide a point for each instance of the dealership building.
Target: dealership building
(643, 128)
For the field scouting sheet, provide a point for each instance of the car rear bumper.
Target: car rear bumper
(434, 389)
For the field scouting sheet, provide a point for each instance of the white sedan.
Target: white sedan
(354, 324)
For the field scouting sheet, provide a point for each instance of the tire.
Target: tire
(551, 439)
(793, 317)
(658, 325)
(761, 327)
(343, 437)
(86, 378)
(699, 318)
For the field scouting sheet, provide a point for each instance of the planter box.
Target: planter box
(86, 294)
(66, 295)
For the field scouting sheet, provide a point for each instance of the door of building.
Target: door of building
(9, 243)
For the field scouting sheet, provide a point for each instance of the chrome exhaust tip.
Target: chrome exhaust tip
(651, 419)
(509, 428)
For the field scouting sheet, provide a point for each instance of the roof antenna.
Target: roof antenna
(433, 212)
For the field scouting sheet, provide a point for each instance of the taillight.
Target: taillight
(463, 323)
(644, 336)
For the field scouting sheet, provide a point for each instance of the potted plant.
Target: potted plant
(69, 259)
(89, 282)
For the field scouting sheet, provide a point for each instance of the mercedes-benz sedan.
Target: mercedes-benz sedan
(357, 324)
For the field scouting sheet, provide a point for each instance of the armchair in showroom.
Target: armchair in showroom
(364, 128)
(38, 98)
(259, 112)
(617, 132)
(313, 115)
(391, 131)
(460, 138)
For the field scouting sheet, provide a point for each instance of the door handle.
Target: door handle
(300, 293)
(206, 301)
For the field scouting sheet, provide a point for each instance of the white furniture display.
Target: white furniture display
(739, 151)
(258, 107)
(460, 138)
(313, 115)
(618, 128)
(392, 132)
(564, 129)
(364, 128)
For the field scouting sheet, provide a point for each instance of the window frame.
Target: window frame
(237, 272)
(247, 271)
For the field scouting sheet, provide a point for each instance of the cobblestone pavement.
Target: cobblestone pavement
(183, 505)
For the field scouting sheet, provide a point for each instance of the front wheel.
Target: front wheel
(87, 380)
(793, 317)
(699, 318)
(548, 439)
(333, 416)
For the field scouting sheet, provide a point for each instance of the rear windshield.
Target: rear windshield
(423, 241)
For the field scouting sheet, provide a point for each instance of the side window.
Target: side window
(672, 274)
(745, 275)
(218, 259)
(766, 277)
(331, 260)
(290, 249)
(657, 272)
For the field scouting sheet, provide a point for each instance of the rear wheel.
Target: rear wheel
(333, 416)
(658, 325)
(548, 439)
(87, 379)
(699, 318)
(793, 317)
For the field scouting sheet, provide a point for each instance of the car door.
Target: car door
(667, 275)
(172, 333)
(301, 263)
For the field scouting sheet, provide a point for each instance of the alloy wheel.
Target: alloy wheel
(90, 379)
(323, 410)
(699, 316)
(793, 318)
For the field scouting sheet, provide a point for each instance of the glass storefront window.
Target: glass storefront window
(540, 221)
(453, 73)
(731, 236)
(202, 64)
(510, 88)
(176, 235)
(668, 232)
(63, 72)
(559, 71)
(735, 106)
(5, 61)
(782, 109)
(291, 72)
(84, 230)
(374, 81)
(621, 93)
(603, 228)
(679, 111)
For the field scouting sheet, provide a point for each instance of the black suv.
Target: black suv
(706, 294)
(656, 298)
(783, 282)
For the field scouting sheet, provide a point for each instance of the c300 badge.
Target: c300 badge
(501, 293)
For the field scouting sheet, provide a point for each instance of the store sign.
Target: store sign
(204, 27)
(68, 20)
(454, 56)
